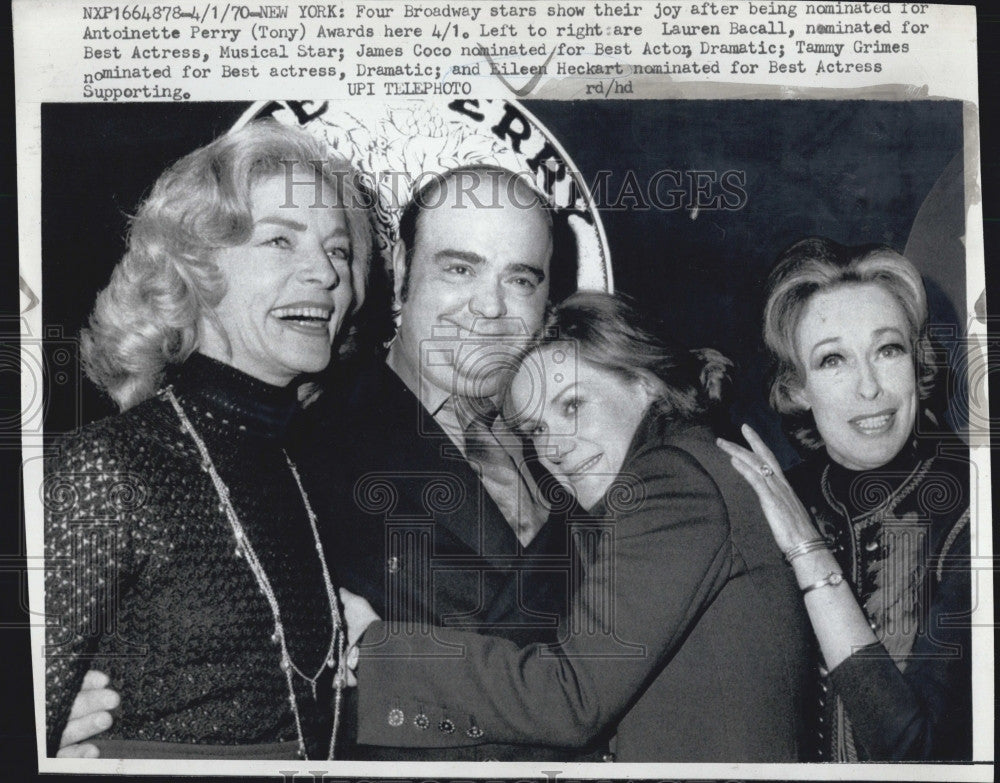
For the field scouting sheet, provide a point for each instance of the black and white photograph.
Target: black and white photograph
(599, 435)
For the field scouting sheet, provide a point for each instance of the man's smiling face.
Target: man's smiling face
(477, 285)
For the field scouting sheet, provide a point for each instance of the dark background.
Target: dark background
(725, 260)
(855, 171)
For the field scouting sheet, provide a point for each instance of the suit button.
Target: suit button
(421, 721)
(392, 564)
(395, 717)
(446, 726)
(607, 757)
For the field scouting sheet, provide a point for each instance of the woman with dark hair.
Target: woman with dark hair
(685, 640)
(183, 556)
(875, 523)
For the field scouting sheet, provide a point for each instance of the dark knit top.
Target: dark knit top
(901, 535)
(143, 581)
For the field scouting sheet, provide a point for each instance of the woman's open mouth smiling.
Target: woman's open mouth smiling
(307, 318)
(876, 424)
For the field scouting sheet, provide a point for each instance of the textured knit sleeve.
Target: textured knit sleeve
(89, 500)
(649, 575)
(923, 711)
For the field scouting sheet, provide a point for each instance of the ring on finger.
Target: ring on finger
(765, 470)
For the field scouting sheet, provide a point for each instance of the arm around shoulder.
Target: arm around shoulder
(652, 563)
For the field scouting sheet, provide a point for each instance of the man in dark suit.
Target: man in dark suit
(437, 516)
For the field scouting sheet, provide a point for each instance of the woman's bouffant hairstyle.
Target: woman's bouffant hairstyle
(609, 332)
(148, 316)
(816, 264)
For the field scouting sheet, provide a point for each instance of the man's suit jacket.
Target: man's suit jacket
(408, 526)
(688, 635)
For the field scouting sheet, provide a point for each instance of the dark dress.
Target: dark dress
(901, 535)
(143, 582)
(687, 639)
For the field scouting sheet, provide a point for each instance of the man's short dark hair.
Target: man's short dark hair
(428, 196)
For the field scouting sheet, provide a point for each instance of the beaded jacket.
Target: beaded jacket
(901, 535)
(143, 580)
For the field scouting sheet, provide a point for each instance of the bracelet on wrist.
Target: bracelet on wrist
(805, 547)
(832, 579)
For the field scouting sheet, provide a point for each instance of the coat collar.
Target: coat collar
(414, 440)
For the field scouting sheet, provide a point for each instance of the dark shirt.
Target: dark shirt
(142, 579)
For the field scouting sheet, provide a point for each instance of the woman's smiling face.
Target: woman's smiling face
(859, 380)
(288, 288)
(581, 418)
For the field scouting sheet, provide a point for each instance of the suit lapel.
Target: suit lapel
(418, 450)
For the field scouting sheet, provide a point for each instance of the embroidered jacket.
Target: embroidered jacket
(901, 535)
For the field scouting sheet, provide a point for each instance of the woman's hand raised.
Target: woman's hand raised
(788, 518)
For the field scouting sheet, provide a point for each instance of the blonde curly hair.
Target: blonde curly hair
(148, 315)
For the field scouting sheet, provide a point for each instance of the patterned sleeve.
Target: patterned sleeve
(922, 711)
(88, 499)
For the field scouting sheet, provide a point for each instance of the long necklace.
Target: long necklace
(334, 657)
